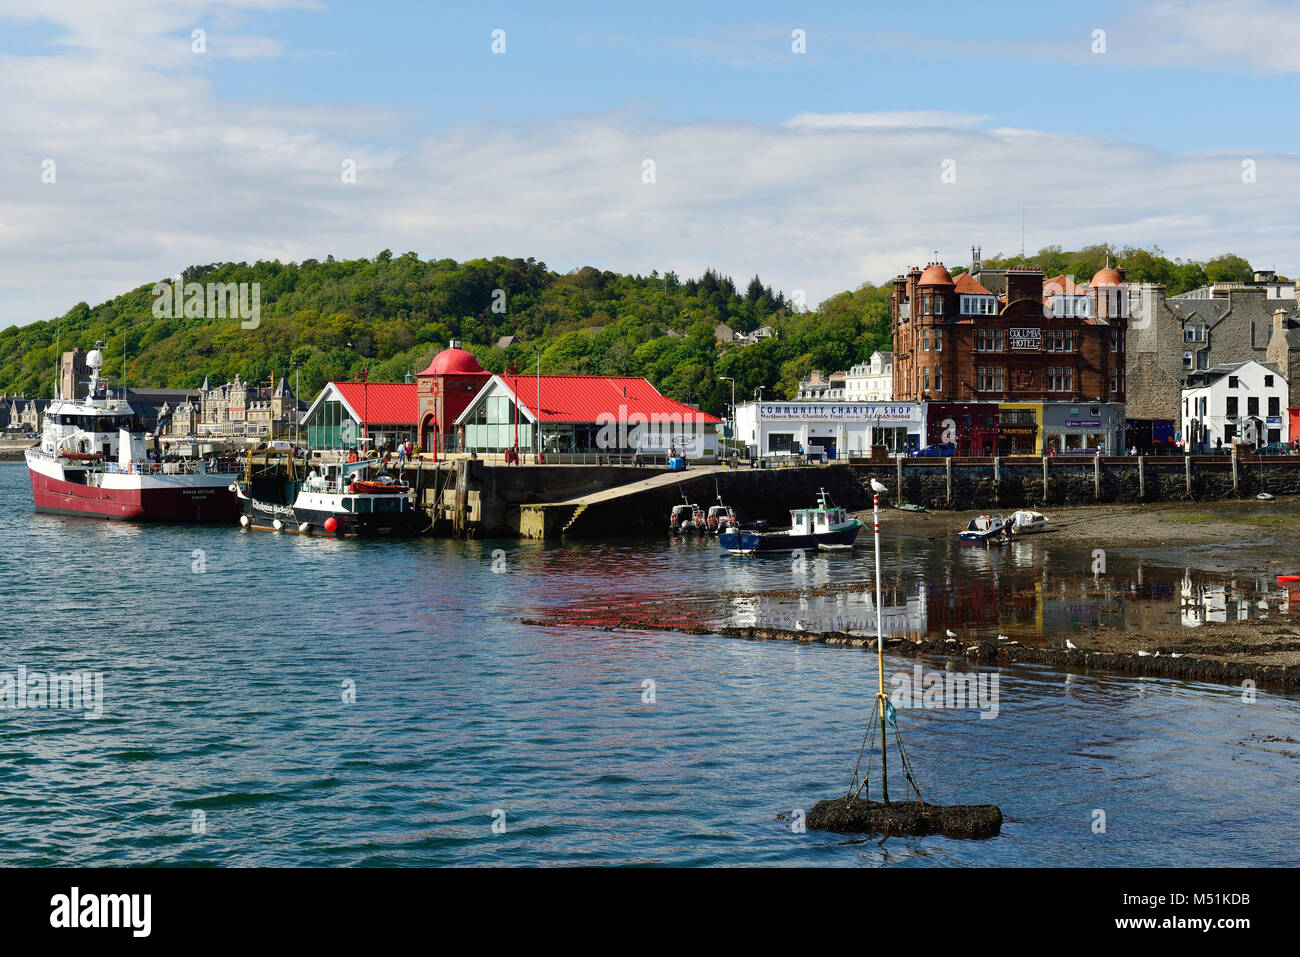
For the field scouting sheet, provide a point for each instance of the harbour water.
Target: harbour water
(227, 736)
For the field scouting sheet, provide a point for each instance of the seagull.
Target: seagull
(1071, 645)
(1003, 638)
(950, 633)
(1144, 654)
(1176, 654)
(878, 486)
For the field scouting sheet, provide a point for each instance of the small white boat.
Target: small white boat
(1025, 521)
(985, 530)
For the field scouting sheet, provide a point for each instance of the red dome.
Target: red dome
(454, 362)
(935, 275)
(1107, 277)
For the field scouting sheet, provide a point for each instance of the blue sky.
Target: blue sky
(818, 171)
(733, 61)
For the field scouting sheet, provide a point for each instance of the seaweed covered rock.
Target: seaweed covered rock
(857, 816)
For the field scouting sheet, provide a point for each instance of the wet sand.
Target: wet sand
(1245, 535)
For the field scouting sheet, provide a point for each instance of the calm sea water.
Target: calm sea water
(226, 657)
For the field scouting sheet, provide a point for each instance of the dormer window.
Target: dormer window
(979, 306)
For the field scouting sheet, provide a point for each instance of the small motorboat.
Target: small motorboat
(1025, 521)
(1288, 578)
(719, 519)
(905, 507)
(686, 519)
(985, 530)
(826, 526)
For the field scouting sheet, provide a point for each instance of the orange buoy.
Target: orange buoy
(331, 524)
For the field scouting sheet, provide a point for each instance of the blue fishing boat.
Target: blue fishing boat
(826, 527)
(986, 530)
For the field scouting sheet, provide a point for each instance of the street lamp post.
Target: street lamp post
(537, 418)
(733, 403)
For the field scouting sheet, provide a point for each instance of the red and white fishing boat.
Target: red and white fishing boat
(91, 462)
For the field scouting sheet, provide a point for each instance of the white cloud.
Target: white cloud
(888, 118)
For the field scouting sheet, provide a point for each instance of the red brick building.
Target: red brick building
(1018, 341)
(959, 341)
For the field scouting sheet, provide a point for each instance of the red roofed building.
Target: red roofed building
(583, 413)
(452, 380)
(345, 412)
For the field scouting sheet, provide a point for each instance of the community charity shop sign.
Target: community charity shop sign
(886, 413)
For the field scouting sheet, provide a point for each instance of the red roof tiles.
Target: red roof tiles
(585, 398)
(383, 403)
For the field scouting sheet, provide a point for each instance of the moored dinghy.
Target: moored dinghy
(1025, 521)
(985, 530)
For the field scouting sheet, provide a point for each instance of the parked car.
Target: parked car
(942, 450)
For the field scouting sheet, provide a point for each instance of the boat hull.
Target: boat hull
(745, 542)
(263, 516)
(138, 498)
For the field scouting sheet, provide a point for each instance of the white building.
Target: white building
(840, 429)
(1235, 402)
(871, 381)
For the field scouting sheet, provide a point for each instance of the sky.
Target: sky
(819, 146)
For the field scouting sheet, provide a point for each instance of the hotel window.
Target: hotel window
(925, 379)
(938, 305)
(1187, 360)
(1116, 381)
(938, 340)
(988, 379)
(925, 304)
(925, 341)
(1060, 379)
(938, 380)
(988, 340)
(1117, 340)
(1060, 340)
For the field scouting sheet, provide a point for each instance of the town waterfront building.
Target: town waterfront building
(580, 414)
(350, 415)
(871, 381)
(1172, 338)
(238, 408)
(444, 389)
(1023, 365)
(815, 385)
(1235, 402)
(836, 429)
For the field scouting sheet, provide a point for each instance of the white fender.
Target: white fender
(305, 527)
(243, 521)
(277, 524)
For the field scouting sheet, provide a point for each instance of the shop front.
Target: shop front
(1018, 428)
(1083, 428)
(831, 429)
(971, 426)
